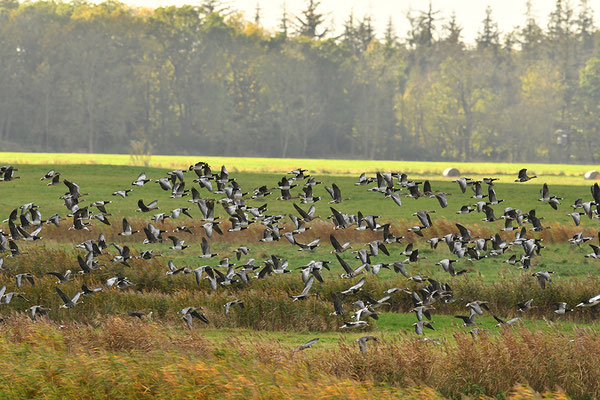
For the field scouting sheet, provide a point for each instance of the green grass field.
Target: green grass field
(270, 317)
(552, 173)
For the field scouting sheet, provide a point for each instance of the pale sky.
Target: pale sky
(469, 13)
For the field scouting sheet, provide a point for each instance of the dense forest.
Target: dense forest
(202, 80)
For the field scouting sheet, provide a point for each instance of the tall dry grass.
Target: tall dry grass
(147, 360)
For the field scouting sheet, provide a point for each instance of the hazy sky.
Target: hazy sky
(470, 13)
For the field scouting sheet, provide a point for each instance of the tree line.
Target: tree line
(202, 80)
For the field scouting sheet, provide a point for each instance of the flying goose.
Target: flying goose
(178, 244)
(205, 246)
(576, 217)
(122, 193)
(441, 198)
(165, 184)
(502, 322)
(337, 247)
(189, 313)
(123, 256)
(241, 250)
(49, 175)
(493, 199)
(305, 290)
(306, 345)
(141, 315)
(119, 282)
(62, 278)
(354, 289)
(590, 302)
(363, 180)
(561, 308)
(349, 272)
(229, 304)
(209, 227)
(38, 310)
(24, 276)
(127, 231)
(462, 183)
(477, 305)
(173, 270)
(362, 342)
(337, 305)
(596, 252)
(525, 306)
(335, 193)
(69, 302)
(543, 277)
(468, 321)
(147, 208)
(420, 324)
(354, 324)
(141, 180)
(523, 176)
(421, 311)
(87, 291)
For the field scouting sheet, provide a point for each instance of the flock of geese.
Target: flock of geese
(25, 224)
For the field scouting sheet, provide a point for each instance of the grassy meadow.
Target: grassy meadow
(248, 354)
(552, 173)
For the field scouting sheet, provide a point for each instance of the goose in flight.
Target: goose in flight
(309, 246)
(362, 342)
(127, 231)
(87, 291)
(305, 290)
(525, 306)
(423, 311)
(26, 276)
(543, 277)
(306, 345)
(502, 322)
(141, 180)
(205, 246)
(337, 305)
(173, 270)
(335, 193)
(178, 244)
(123, 256)
(591, 302)
(122, 193)
(422, 324)
(62, 278)
(147, 208)
(576, 217)
(38, 310)
(141, 315)
(337, 247)
(354, 289)
(477, 305)
(306, 215)
(229, 304)
(354, 324)
(561, 308)
(363, 180)
(468, 321)
(462, 183)
(69, 302)
(523, 176)
(189, 313)
(49, 175)
(596, 252)
(493, 199)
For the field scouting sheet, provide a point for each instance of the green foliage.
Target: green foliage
(202, 80)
